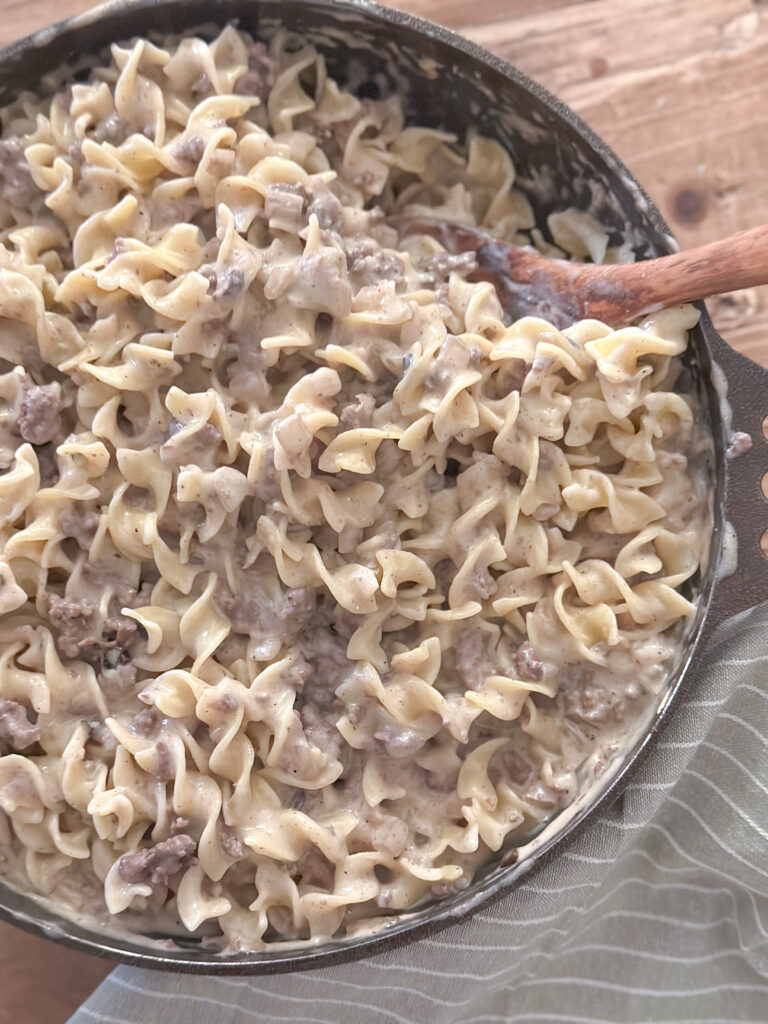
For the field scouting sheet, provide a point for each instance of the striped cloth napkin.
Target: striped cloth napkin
(657, 912)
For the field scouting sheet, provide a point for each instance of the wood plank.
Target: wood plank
(690, 118)
(20, 17)
(617, 37)
(43, 983)
(675, 86)
(459, 14)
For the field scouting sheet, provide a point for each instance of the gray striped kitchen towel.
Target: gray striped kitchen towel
(656, 912)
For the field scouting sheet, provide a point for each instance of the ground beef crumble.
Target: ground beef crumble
(158, 864)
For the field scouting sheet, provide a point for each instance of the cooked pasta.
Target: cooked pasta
(319, 582)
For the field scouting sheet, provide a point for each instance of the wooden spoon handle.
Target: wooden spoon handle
(626, 290)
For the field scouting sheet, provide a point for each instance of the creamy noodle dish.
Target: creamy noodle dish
(320, 583)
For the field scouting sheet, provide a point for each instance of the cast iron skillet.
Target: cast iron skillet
(451, 83)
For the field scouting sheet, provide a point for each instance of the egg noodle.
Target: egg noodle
(319, 582)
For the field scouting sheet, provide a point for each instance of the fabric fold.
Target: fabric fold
(656, 912)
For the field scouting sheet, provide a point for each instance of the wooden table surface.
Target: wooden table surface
(678, 87)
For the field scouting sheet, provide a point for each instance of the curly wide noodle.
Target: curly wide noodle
(319, 582)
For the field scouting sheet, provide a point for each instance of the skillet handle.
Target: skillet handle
(743, 568)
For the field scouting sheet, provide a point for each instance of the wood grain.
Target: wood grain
(678, 87)
(680, 90)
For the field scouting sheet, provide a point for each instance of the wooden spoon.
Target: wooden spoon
(562, 292)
